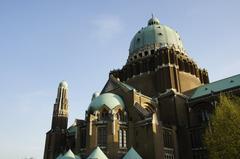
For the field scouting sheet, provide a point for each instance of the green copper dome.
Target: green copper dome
(157, 35)
(108, 99)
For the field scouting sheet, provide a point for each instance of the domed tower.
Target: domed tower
(56, 137)
(157, 61)
(60, 111)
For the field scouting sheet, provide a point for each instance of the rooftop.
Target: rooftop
(214, 87)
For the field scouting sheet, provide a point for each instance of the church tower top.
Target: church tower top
(63, 84)
(61, 104)
(60, 110)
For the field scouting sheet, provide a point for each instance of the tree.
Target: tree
(222, 137)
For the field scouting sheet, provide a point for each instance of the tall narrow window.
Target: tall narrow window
(102, 136)
(120, 116)
(122, 138)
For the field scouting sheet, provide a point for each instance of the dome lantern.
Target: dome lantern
(153, 21)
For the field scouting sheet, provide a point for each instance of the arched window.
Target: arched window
(104, 114)
(120, 115)
(180, 64)
(172, 57)
(98, 116)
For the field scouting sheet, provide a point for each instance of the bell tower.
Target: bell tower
(60, 110)
(56, 137)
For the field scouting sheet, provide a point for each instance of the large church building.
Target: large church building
(155, 107)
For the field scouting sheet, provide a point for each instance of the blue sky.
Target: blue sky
(43, 42)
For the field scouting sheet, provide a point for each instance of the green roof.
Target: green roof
(59, 156)
(108, 99)
(97, 154)
(155, 33)
(68, 155)
(132, 154)
(72, 129)
(217, 86)
(127, 86)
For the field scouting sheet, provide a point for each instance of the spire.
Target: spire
(57, 136)
(60, 110)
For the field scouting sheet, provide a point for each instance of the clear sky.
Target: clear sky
(43, 42)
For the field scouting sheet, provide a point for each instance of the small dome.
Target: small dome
(157, 35)
(109, 99)
(63, 84)
(132, 154)
(68, 155)
(97, 153)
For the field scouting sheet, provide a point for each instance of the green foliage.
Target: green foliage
(222, 137)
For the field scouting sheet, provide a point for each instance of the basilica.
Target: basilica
(155, 107)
